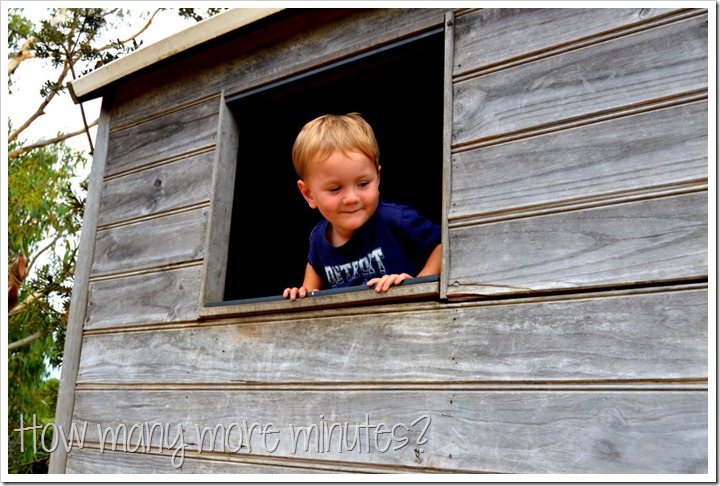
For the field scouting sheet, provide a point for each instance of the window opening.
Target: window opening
(397, 88)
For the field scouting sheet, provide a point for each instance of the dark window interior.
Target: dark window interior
(399, 91)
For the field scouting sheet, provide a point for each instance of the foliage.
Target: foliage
(44, 397)
(44, 215)
(45, 206)
(201, 14)
(19, 30)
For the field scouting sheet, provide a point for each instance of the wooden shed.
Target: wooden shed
(563, 151)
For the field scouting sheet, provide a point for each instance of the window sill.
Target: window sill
(421, 287)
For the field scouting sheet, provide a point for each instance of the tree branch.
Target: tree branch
(41, 109)
(16, 153)
(26, 303)
(136, 35)
(27, 340)
(31, 262)
(86, 130)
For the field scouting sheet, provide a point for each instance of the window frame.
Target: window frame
(214, 271)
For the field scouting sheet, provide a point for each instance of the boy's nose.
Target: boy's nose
(351, 197)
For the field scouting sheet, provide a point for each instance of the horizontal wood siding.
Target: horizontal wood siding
(649, 241)
(652, 151)
(150, 242)
(587, 431)
(574, 336)
(492, 37)
(158, 139)
(159, 189)
(581, 163)
(632, 70)
(90, 460)
(169, 295)
(635, 336)
(159, 242)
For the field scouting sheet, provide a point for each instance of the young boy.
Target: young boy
(361, 239)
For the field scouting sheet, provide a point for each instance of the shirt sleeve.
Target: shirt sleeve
(422, 234)
(314, 257)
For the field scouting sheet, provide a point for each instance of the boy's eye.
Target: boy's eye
(363, 184)
(334, 189)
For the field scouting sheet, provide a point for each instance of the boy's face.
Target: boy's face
(344, 187)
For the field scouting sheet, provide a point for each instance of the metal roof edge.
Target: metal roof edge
(88, 86)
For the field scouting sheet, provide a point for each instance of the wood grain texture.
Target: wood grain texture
(181, 183)
(78, 304)
(447, 146)
(91, 461)
(490, 36)
(561, 373)
(159, 138)
(164, 296)
(402, 293)
(656, 148)
(659, 335)
(512, 432)
(223, 182)
(299, 41)
(630, 70)
(640, 242)
(167, 240)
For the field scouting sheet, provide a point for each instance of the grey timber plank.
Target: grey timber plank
(222, 181)
(599, 381)
(160, 138)
(170, 239)
(656, 148)
(642, 336)
(494, 35)
(78, 303)
(181, 183)
(550, 431)
(447, 147)
(638, 242)
(92, 461)
(636, 69)
(275, 304)
(165, 296)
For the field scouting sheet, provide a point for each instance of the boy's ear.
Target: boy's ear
(305, 191)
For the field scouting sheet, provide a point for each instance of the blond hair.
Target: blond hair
(330, 133)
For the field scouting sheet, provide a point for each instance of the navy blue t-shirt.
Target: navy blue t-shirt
(396, 239)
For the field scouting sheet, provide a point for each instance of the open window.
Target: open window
(398, 88)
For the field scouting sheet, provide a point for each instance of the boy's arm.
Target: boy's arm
(312, 282)
(433, 264)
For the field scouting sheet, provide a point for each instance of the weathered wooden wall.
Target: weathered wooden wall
(574, 338)
(582, 164)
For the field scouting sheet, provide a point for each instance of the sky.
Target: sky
(62, 114)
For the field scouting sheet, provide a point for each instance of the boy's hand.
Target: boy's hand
(311, 281)
(387, 281)
(294, 292)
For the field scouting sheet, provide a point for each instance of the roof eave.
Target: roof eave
(91, 85)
